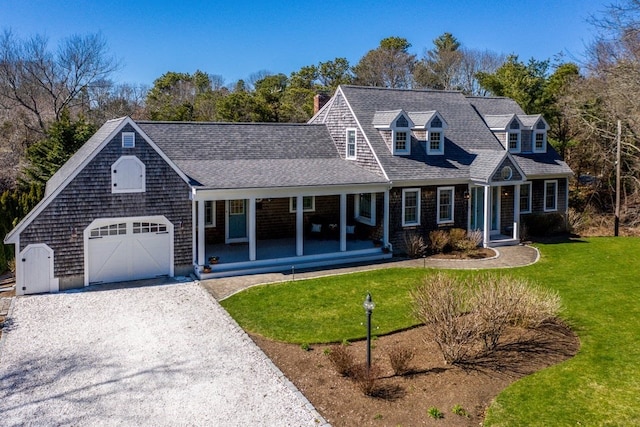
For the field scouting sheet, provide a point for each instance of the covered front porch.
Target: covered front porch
(495, 210)
(247, 232)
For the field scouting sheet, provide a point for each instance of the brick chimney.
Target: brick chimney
(318, 102)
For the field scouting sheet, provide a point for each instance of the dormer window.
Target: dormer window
(513, 137)
(401, 136)
(540, 138)
(435, 136)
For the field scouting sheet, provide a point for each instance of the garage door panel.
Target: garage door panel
(150, 252)
(129, 250)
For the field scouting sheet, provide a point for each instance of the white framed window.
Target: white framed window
(513, 141)
(410, 207)
(513, 137)
(365, 208)
(308, 204)
(210, 213)
(445, 205)
(551, 196)
(525, 197)
(128, 139)
(128, 175)
(401, 136)
(401, 142)
(435, 136)
(351, 143)
(539, 142)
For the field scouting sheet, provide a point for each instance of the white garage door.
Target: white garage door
(129, 249)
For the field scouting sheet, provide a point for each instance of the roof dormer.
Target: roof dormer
(508, 129)
(435, 125)
(400, 124)
(539, 128)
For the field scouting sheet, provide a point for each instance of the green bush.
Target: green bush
(541, 225)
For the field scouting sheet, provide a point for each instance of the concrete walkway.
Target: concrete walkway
(506, 257)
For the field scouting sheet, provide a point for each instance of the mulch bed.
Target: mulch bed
(405, 400)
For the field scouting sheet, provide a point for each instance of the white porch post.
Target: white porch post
(201, 245)
(252, 229)
(516, 212)
(487, 215)
(299, 227)
(194, 230)
(343, 222)
(385, 219)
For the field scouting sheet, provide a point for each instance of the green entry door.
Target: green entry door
(237, 220)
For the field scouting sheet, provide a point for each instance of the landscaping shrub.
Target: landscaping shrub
(464, 314)
(438, 239)
(541, 225)
(457, 236)
(399, 357)
(366, 379)
(414, 244)
(441, 303)
(341, 359)
(475, 237)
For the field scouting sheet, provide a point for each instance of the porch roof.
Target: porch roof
(274, 173)
(256, 155)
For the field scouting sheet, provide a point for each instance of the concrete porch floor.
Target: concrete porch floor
(279, 248)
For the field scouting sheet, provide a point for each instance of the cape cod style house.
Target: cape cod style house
(142, 199)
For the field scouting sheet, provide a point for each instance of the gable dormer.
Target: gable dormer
(398, 124)
(508, 129)
(434, 126)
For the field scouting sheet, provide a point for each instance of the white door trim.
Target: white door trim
(54, 283)
(106, 221)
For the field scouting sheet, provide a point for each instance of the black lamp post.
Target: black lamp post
(368, 305)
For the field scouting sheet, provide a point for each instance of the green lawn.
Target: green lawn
(598, 280)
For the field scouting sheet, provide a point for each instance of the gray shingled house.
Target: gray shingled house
(143, 199)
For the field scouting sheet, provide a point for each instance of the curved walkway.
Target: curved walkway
(506, 257)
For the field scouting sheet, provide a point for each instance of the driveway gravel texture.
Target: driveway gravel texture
(159, 355)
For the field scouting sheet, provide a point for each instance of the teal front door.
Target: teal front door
(477, 208)
(237, 220)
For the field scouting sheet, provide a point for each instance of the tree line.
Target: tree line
(53, 99)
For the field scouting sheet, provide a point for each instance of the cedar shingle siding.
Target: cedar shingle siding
(88, 197)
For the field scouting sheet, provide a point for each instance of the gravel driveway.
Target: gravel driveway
(160, 355)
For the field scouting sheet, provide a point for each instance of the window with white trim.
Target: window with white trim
(551, 196)
(539, 142)
(210, 213)
(365, 208)
(401, 136)
(435, 137)
(445, 205)
(525, 197)
(410, 207)
(128, 139)
(513, 137)
(128, 175)
(351, 144)
(308, 204)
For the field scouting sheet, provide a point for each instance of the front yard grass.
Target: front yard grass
(598, 280)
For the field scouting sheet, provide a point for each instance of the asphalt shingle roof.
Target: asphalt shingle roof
(81, 155)
(255, 155)
(466, 131)
(468, 138)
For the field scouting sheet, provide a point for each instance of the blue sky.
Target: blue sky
(235, 38)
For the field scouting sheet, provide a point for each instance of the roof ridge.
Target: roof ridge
(199, 123)
(421, 90)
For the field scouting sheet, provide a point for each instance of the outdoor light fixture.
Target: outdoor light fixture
(368, 305)
(466, 194)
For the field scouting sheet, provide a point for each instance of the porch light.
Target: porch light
(368, 305)
(466, 194)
